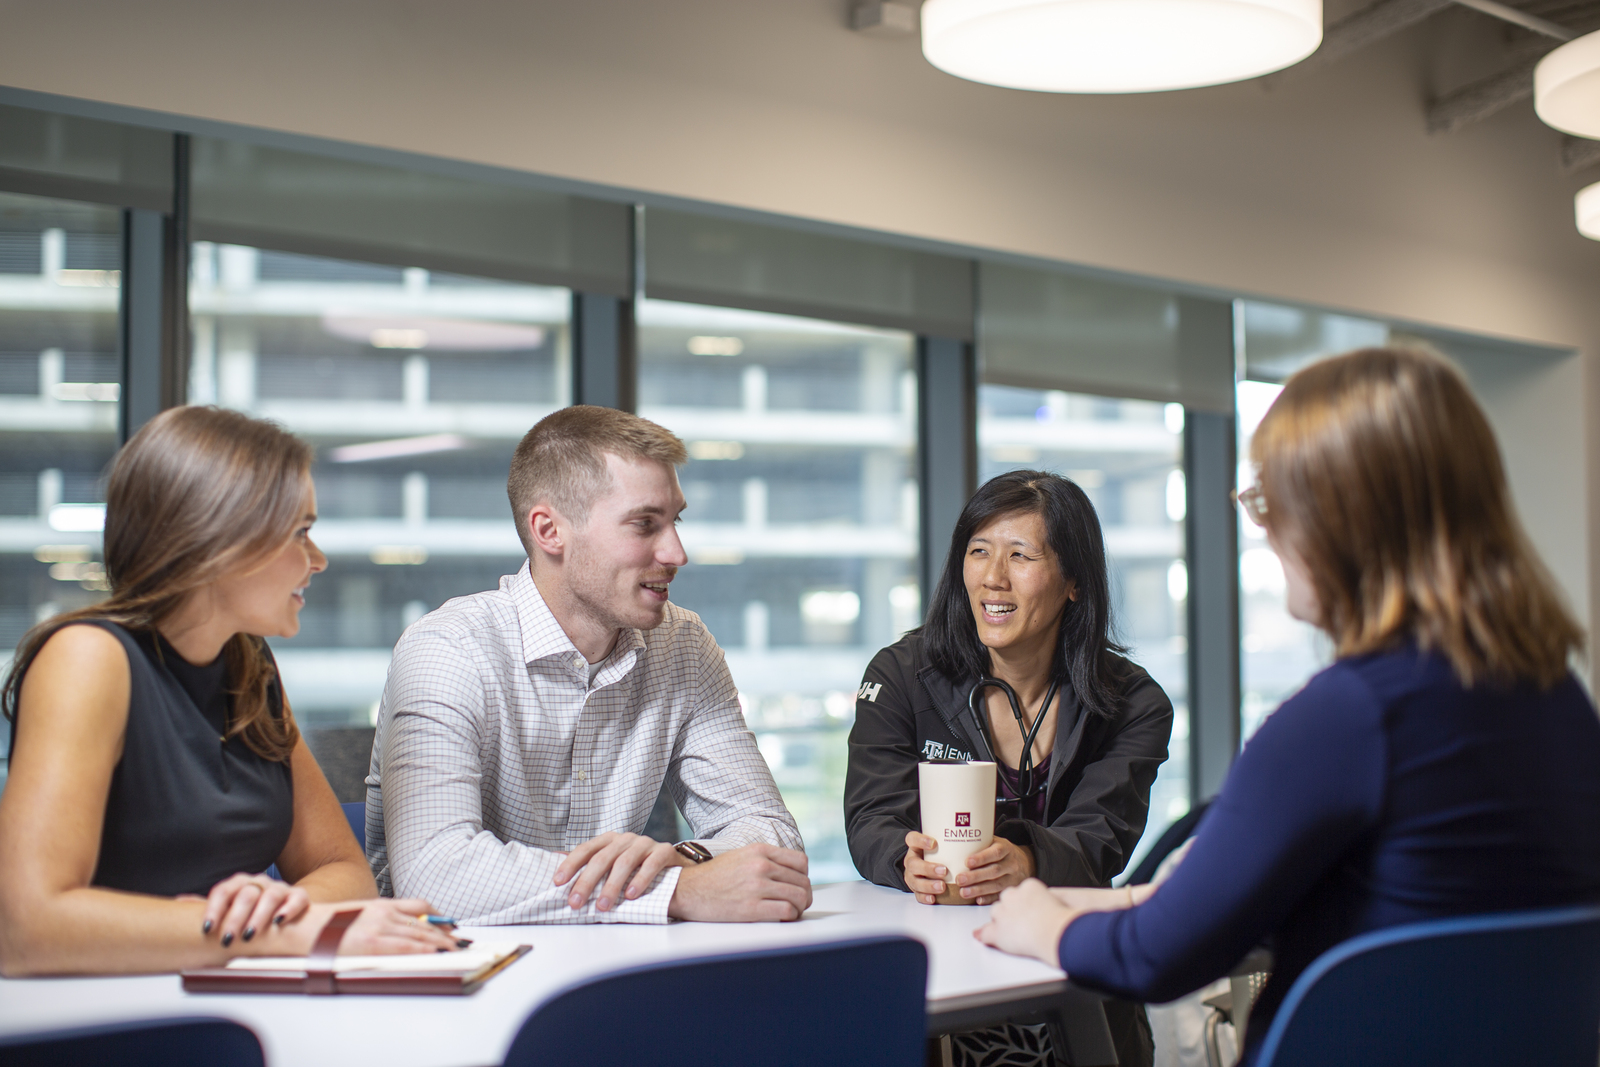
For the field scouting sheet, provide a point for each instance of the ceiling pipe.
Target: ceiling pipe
(1482, 98)
(1359, 30)
(1519, 18)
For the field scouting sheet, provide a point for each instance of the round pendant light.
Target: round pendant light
(1587, 207)
(1117, 46)
(1566, 87)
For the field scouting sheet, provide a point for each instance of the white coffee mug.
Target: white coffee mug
(958, 813)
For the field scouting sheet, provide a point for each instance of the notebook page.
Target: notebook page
(465, 961)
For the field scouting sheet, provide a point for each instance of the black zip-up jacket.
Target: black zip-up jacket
(1101, 769)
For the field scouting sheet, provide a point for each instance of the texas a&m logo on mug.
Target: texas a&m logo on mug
(963, 830)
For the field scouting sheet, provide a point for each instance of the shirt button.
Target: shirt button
(583, 776)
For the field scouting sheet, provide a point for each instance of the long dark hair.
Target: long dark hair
(1087, 652)
(197, 493)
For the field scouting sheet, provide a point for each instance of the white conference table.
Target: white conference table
(968, 985)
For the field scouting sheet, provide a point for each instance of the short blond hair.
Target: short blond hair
(1380, 470)
(562, 460)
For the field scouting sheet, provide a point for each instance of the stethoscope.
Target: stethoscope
(1029, 788)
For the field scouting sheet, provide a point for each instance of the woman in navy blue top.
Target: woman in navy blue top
(1447, 763)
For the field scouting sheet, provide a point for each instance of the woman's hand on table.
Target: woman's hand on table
(924, 877)
(384, 928)
(242, 906)
(1000, 866)
(1028, 920)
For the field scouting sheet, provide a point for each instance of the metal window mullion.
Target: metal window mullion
(1213, 550)
(603, 364)
(947, 446)
(175, 281)
(1212, 545)
(141, 319)
(153, 312)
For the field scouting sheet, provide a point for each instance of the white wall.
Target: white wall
(1322, 189)
(1535, 408)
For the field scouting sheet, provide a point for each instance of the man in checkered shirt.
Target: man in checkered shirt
(526, 732)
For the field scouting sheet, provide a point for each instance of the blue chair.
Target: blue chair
(356, 812)
(858, 1003)
(158, 1043)
(1519, 987)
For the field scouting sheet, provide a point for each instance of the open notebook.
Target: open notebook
(439, 973)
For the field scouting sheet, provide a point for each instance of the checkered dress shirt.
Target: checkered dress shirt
(495, 753)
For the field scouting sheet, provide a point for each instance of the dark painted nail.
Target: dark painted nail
(227, 939)
(249, 932)
(205, 928)
(463, 942)
(279, 920)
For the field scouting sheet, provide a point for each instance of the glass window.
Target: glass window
(1280, 653)
(1128, 457)
(801, 526)
(60, 278)
(414, 387)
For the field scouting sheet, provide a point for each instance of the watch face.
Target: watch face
(693, 850)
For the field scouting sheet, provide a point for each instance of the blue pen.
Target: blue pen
(437, 920)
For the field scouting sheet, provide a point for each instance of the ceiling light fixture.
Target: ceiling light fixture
(1117, 46)
(1587, 207)
(1566, 87)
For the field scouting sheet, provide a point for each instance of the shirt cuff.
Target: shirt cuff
(650, 907)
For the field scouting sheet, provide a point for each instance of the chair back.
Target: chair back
(845, 1003)
(1518, 987)
(356, 813)
(156, 1043)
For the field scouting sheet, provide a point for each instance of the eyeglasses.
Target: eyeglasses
(1254, 504)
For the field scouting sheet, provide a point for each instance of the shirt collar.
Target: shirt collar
(542, 635)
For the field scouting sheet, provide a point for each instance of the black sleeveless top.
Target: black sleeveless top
(187, 809)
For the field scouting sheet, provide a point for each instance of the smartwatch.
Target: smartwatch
(692, 850)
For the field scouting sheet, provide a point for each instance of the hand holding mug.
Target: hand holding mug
(924, 877)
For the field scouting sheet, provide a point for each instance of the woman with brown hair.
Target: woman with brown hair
(153, 752)
(1447, 763)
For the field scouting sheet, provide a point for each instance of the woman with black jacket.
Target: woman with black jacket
(1016, 665)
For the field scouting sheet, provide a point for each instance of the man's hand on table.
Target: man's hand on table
(754, 883)
(614, 866)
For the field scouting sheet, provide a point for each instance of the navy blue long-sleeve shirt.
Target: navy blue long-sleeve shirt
(1383, 793)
